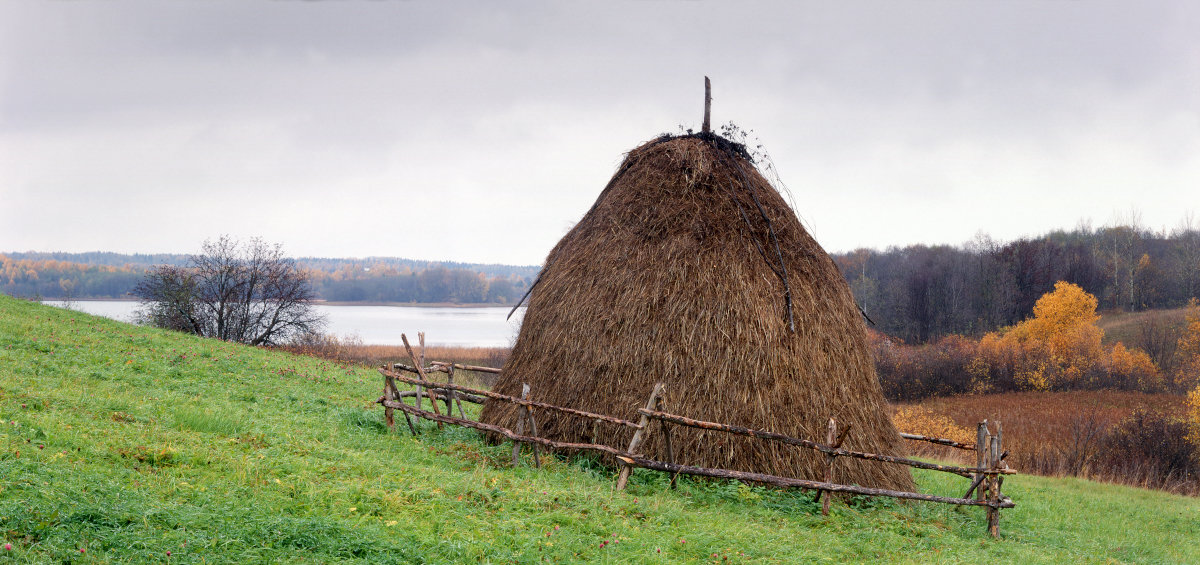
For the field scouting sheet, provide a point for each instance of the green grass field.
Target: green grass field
(123, 444)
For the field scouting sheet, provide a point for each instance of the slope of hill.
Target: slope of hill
(127, 444)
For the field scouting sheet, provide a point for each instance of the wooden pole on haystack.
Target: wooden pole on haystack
(707, 106)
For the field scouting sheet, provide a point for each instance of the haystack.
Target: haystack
(677, 275)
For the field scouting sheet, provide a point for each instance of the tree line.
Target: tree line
(72, 276)
(921, 293)
(917, 293)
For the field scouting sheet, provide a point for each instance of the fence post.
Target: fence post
(994, 488)
(830, 435)
(449, 393)
(623, 477)
(520, 424)
(981, 447)
(388, 416)
(666, 431)
(533, 431)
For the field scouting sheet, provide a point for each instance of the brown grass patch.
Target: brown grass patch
(1113, 436)
(353, 351)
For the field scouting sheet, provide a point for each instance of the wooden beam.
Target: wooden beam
(514, 400)
(639, 461)
(503, 431)
(738, 430)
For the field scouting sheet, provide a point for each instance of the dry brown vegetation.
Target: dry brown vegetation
(1114, 436)
(352, 350)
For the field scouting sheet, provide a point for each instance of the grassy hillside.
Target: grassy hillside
(1128, 327)
(126, 444)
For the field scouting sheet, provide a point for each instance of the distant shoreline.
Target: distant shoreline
(329, 303)
(414, 304)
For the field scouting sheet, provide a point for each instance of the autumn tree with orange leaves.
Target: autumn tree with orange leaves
(1059, 348)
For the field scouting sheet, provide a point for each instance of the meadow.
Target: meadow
(123, 444)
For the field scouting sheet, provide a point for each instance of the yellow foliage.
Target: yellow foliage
(1055, 349)
(1194, 415)
(1187, 351)
(1133, 368)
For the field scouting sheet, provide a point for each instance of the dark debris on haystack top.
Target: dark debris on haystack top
(691, 270)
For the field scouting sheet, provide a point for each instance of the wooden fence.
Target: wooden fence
(986, 477)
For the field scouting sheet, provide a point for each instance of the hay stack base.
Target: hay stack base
(673, 276)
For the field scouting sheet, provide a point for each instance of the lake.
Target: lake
(472, 327)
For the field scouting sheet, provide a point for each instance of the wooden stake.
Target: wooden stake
(666, 430)
(830, 437)
(520, 424)
(707, 105)
(449, 396)
(421, 372)
(981, 446)
(388, 418)
(454, 396)
(994, 491)
(533, 431)
(623, 477)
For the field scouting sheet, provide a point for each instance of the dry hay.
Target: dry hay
(663, 281)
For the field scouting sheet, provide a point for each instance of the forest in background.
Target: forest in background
(374, 279)
(918, 293)
(922, 293)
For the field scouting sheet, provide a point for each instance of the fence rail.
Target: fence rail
(987, 475)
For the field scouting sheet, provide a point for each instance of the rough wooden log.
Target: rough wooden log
(684, 421)
(651, 403)
(639, 461)
(515, 400)
(388, 417)
(504, 431)
(438, 392)
(432, 368)
(939, 441)
(476, 368)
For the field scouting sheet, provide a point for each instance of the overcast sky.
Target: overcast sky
(482, 131)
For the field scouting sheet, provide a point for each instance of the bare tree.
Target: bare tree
(247, 293)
